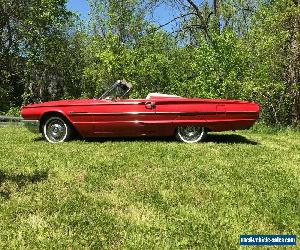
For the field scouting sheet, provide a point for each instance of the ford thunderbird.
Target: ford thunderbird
(114, 115)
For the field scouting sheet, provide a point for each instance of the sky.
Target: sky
(79, 6)
(162, 14)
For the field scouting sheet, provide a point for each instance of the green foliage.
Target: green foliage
(231, 49)
(13, 111)
(105, 59)
(36, 42)
(269, 45)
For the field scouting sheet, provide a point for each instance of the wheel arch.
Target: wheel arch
(207, 128)
(203, 124)
(60, 114)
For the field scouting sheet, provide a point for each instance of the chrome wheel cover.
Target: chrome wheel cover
(55, 130)
(191, 133)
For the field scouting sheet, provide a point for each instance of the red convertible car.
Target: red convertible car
(113, 114)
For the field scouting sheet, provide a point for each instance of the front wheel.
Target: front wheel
(191, 134)
(56, 129)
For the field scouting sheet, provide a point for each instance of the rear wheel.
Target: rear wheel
(191, 134)
(56, 129)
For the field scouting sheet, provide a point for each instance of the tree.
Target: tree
(34, 44)
(125, 19)
(273, 45)
(237, 49)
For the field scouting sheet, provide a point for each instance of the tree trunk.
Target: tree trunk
(217, 14)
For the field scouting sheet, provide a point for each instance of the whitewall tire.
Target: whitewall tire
(56, 130)
(191, 134)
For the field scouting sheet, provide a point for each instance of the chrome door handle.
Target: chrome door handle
(149, 105)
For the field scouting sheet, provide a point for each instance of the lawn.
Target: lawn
(147, 194)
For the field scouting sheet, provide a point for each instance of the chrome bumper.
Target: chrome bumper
(32, 125)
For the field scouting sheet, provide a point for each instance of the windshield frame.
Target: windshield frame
(118, 84)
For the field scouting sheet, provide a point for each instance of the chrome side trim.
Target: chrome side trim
(240, 111)
(112, 113)
(142, 113)
(32, 125)
(159, 113)
(86, 105)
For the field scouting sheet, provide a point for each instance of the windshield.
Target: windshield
(119, 90)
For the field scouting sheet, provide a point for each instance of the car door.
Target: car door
(124, 117)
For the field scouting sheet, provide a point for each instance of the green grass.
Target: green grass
(147, 194)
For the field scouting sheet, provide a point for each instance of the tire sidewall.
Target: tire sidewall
(201, 137)
(67, 127)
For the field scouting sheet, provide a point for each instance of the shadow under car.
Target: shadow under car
(215, 138)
